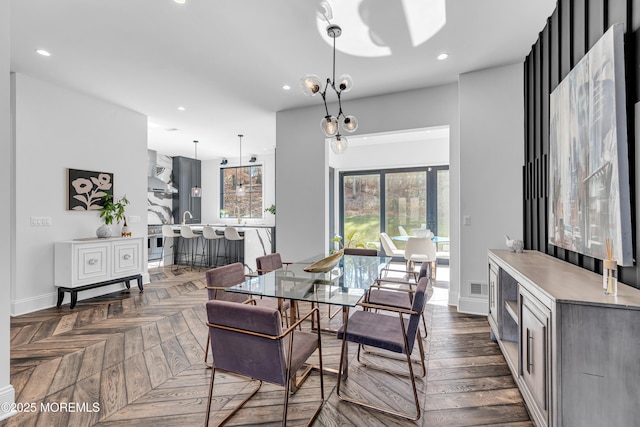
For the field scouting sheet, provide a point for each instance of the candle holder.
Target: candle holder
(609, 277)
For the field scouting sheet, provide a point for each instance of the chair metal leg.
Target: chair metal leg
(213, 374)
(369, 405)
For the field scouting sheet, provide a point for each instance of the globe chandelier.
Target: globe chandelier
(240, 191)
(331, 124)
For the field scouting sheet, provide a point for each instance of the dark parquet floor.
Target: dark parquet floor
(133, 359)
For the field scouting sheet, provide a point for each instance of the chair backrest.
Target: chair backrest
(209, 233)
(422, 246)
(360, 251)
(419, 300)
(268, 263)
(387, 244)
(424, 269)
(253, 356)
(167, 231)
(231, 233)
(402, 231)
(186, 232)
(224, 277)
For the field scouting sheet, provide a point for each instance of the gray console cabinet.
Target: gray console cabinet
(573, 351)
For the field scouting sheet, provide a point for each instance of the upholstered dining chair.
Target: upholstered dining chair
(274, 356)
(402, 231)
(221, 278)
(269, 262)
(389, 247)
(419, 250)
(386, 332)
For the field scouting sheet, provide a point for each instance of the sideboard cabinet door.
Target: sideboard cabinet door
(535, 351)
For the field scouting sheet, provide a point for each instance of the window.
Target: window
(248, 206)
(394, 201)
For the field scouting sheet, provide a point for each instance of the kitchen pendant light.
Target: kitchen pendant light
(239, 188)
(311, 85)
(195, 190)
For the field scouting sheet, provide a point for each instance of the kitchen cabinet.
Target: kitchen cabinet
(90, 263)
(572, 350)
(186, 174)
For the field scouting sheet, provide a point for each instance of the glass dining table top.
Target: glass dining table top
(345, 285)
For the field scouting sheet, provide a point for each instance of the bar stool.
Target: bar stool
(210, 236)
(168, 233)
(190, 238)
(231, 235)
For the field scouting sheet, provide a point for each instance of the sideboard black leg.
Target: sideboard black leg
(74, 299)
(139, 278)
(60, 298)
(128, 283)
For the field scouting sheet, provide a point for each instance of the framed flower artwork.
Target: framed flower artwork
(85, 189)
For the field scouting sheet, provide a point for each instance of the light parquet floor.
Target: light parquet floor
(129, 359)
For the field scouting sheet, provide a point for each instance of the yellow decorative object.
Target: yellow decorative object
(325, 264)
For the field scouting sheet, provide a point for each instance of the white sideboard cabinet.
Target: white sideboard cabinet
(90, 263)
(573, 351)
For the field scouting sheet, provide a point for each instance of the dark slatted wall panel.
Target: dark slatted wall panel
(570, 32)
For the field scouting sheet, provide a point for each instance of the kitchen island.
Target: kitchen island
(258, 240)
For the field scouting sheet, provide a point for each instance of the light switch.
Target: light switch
(466, 220)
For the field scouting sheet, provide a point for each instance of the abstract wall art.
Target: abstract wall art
(589, 199)
(85, 189)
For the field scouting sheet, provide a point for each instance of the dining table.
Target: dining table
(345, 285)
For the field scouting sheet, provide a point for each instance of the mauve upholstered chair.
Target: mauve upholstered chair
(270, 262)
(221, 278)
(392, 333)
(248, 340)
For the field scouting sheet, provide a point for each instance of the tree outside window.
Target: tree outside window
(248, 206)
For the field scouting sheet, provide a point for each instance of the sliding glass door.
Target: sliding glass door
(395, 201)
(360, 203)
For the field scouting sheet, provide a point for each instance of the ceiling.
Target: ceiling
(225, 61)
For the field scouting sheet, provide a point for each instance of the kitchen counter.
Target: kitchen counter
(259, 239)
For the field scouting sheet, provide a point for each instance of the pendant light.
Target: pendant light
(239, 188)
(311, 85)
(195, 190)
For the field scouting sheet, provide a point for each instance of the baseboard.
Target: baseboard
(473, 306)
(453, 298)
(40, 302)
(7, 400)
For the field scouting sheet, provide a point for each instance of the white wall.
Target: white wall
(491, 159)
(302, 159)
(57, 129)
(7, 394)
(431, 152)
(211, 189)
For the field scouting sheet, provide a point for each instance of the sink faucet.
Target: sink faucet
(184, 217)
(236, 210)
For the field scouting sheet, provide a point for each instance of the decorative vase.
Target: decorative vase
(104, 231)
(125, 230)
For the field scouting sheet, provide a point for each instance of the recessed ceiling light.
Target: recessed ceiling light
(443, 56)
(286, 87)
(42, 52)
(180, 1)
(152, 125)
(181, 108)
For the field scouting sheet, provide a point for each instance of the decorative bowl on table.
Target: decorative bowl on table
(422, 232)
(325, 264)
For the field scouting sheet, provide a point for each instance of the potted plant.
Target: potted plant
(112, 210)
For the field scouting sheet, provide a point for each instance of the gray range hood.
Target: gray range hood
(154, 183)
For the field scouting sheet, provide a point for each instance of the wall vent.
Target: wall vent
(478, 289)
